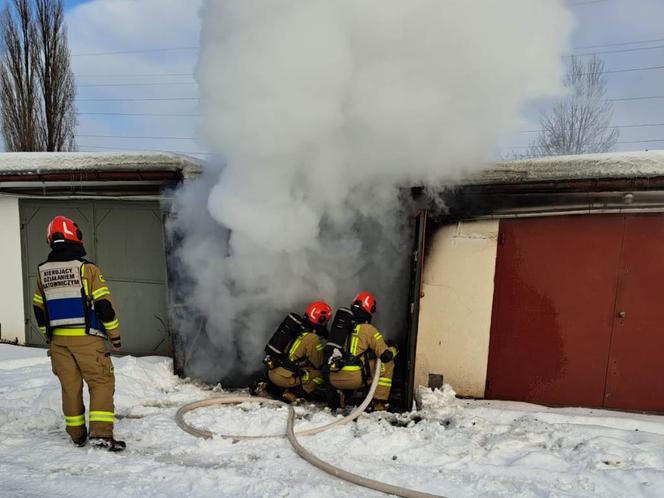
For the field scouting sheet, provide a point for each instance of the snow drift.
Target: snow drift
(320, 111)
(459, 448)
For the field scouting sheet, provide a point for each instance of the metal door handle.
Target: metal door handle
(622, 314)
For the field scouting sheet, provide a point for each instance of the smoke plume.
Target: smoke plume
(320, 111)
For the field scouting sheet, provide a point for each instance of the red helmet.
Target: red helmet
(62, 229)
(318, 312)
(366, 301)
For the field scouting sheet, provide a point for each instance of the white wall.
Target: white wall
(11, 282)
(455, 306)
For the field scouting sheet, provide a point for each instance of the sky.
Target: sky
(99, 29)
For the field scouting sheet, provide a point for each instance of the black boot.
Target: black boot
(107, 443)
(82, 439)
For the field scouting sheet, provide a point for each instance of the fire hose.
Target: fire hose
(292, 439)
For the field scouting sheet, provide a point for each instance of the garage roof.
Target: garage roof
(619, 165)
(45, 163)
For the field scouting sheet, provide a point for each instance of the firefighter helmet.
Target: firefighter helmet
(62, 229)
(318, 312)
(366, 301)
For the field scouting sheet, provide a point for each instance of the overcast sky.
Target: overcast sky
(100, 29)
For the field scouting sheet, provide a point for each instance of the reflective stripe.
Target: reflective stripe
(69, 332)
(99, 416)
(101, 292)
(377, 336)
(37, 298)
(111, 325)
(75, 421)
(305, 377)
(42, 330)
(318, 380)
(384, 381)
(319, 347)
(85, 282)
(353, 344)
(293, 349)
(351, 368)
(354, 339)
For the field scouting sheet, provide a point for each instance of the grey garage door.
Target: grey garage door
(126, 240)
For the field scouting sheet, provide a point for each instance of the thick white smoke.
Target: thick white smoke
(321, 111)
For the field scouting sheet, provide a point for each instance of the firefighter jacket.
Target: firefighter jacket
(306, 351)
(302, 367)
(73, 299)
(364, 338)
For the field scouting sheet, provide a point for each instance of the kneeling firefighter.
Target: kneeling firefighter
(294, 354)
(74, 309)
(353, 347)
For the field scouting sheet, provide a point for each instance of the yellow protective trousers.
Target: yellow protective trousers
(78, 359)
(285, 379)
(350, 378)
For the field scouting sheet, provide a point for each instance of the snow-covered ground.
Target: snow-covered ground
(451, 447)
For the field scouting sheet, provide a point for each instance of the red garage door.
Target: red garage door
(577, 314)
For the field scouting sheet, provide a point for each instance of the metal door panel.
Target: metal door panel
(552, 315)
(130, 250)
(635, 380)
(142, 313)
(133, 241)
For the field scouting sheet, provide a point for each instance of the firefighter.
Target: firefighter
(74, 309)
(363, 345)
(300, 373)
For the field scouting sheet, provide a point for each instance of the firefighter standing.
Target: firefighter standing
(301, 370)
(74, 309)
(364, 344)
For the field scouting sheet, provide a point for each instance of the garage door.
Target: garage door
(577, 318)
(126, 240)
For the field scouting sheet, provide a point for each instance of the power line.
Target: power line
(618, 44)
(175, 83)
(191, 152)
(168, 99)
(138, 100)
(621, 142)
(154, 114)
(139, 51)
(632, 69)
(619, 51)
(645, 125)
(132, 75)
(641, 141)
(585, 3)
(135, 137)
(166, 83)
(628, 99)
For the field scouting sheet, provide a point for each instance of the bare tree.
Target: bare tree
(580, 122)
(37, 88)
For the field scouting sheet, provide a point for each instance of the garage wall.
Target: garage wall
(11, 283)
(455, 307)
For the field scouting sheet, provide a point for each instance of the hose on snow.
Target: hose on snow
(291, 434)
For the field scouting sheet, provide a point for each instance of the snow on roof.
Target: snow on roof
(581, 167)
(30, 163)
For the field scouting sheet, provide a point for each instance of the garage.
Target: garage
(577, 315)
(542, 281)
(120, 201)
